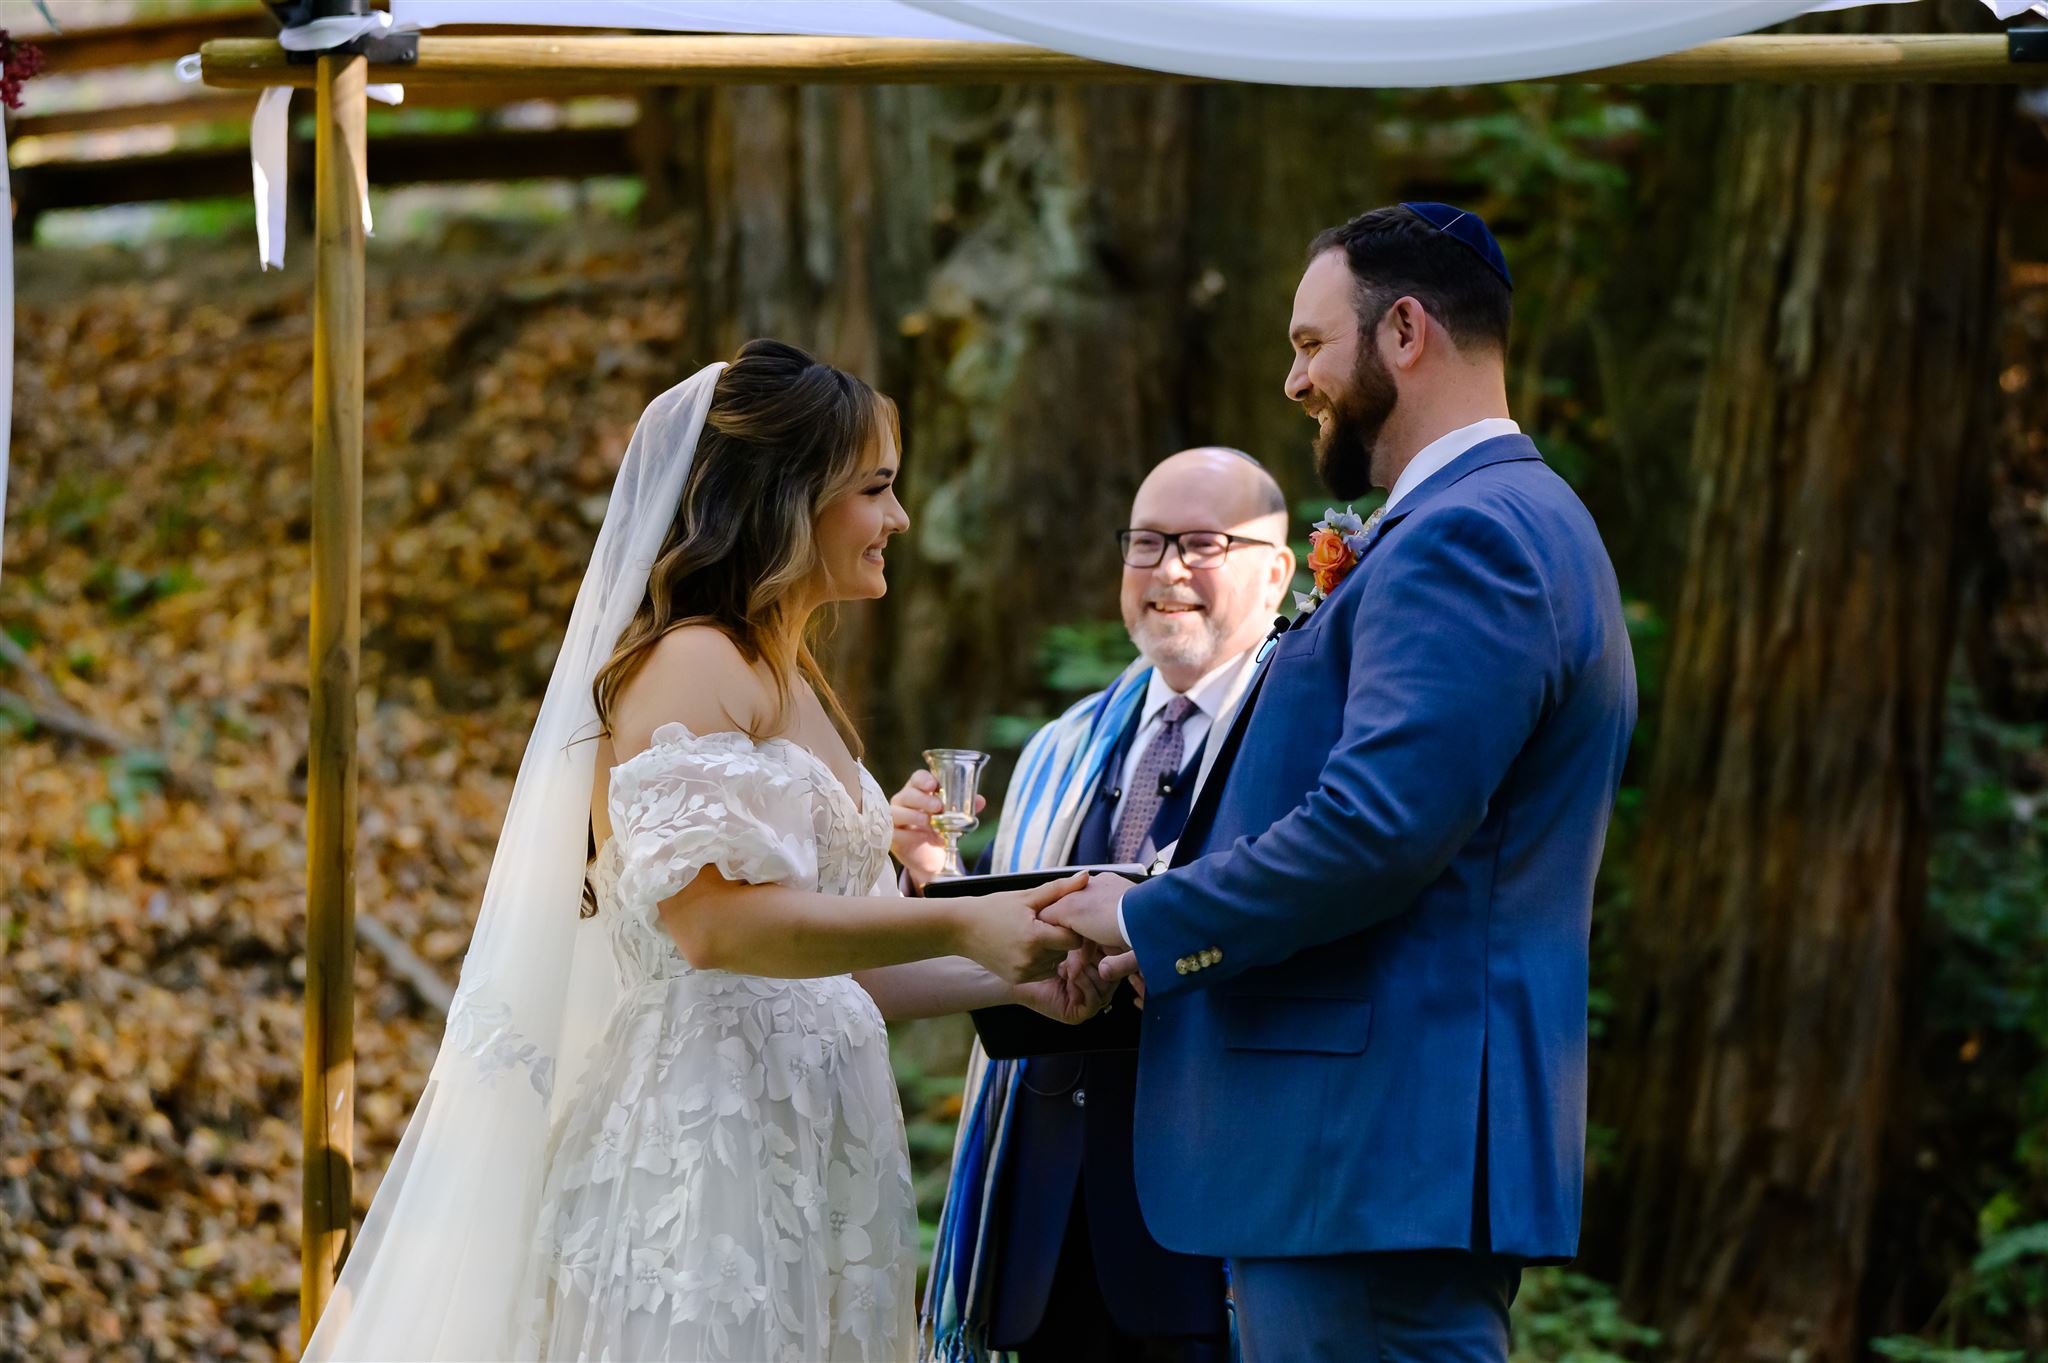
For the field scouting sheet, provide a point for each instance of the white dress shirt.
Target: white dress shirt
(1216, 697)
(1216, 694)
(1442, 450)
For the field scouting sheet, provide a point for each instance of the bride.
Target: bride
(664, 1127)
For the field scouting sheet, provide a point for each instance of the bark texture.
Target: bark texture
(1841, 451)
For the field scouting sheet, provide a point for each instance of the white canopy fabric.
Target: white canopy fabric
(1361, 43)
(819, 18)
(1384, 43)
(1354, 43)
(1377, 43)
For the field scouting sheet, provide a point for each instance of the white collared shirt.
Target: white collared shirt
(1215, 698)
(1442, 450)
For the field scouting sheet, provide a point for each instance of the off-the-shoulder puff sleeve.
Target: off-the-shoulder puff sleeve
(691, 801)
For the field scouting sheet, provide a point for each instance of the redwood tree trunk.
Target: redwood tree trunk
(1841, 447)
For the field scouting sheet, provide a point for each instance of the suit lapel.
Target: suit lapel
(1211, 788)
(1502, 449)
(1211, 793)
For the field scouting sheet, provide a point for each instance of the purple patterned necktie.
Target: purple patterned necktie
(1142, 797)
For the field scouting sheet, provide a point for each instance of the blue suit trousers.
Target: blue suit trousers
(1406, 1306)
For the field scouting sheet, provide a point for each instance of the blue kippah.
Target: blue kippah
(1468, 231)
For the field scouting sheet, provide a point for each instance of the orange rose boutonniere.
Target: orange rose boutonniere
(1333, 551)
(1329, 558)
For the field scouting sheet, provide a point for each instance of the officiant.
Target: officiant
(1069, 1272)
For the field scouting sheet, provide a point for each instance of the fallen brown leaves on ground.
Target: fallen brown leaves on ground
(156, 577)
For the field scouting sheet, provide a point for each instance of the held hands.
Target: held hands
(1091, 912)
(1005, 935)
(1075, 993)
(910, 836)
(1049, 943)
(1074, 990)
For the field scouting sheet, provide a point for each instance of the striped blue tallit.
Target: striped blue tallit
(1041, 814)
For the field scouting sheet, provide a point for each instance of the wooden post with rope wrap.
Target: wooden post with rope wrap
(336, 628)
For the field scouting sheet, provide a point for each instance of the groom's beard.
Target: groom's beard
(1344, 452)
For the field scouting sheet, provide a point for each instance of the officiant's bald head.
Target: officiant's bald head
(1230, 480)
(1190, 617)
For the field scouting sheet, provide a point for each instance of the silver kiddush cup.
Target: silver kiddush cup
(959, 772)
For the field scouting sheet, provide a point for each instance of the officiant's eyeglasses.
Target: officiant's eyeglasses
(1198, 548)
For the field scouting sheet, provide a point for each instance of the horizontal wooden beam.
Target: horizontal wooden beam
(168, 38)
(1832, 59)
(482, 155)
(582, 63)
(400, 159)
(719, 59)
(148, 40)
(236, 106)
(199, 174)
(210, 107)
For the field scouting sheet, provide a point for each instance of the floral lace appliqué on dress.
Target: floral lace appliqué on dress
(731, 1181)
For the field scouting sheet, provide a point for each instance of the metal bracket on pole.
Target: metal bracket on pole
(2027, 46)
(381, 48)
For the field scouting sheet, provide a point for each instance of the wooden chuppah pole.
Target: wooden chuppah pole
(562, 65)
(328, 1110)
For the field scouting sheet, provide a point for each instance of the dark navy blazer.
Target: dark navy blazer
(1365, 1026)
(1147, 1290)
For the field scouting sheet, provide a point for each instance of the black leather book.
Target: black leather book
(1012, 1031)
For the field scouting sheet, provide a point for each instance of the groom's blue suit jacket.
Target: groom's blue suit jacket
(1365, 1026)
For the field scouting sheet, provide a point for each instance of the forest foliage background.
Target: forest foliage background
(1059, 287)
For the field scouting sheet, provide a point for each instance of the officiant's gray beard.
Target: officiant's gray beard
(1345, 453)
(1193, 643)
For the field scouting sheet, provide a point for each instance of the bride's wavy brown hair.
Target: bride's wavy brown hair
(785, 436)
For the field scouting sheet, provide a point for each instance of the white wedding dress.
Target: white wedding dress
(731, 1179)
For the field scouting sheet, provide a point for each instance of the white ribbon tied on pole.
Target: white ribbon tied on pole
(268, 134)
(270, 128)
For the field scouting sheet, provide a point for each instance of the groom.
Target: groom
(1362, 1076)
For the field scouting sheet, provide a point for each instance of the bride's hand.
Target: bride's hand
(1003, 933)
(1075, 993)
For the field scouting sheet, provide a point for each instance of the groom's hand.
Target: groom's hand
(1075, 992)
(1115, 969)
(1091, 911)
